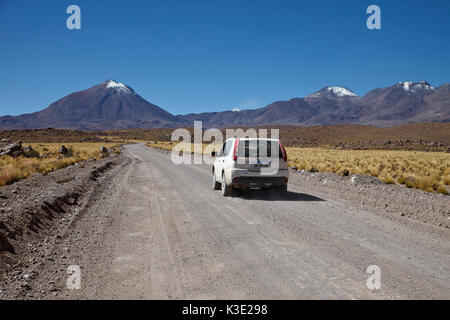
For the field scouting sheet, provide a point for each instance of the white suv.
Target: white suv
(250, 163)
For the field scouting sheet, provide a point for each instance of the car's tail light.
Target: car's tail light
(235, 150)
(283, 150)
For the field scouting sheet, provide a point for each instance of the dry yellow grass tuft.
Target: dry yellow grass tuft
(429, 171)
(116, 139)
(161, 145)
(15, 169)
(446, 180)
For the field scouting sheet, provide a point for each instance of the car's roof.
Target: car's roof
(253, 139)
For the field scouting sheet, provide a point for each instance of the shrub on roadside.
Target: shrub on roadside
(31, 154)
(401, 179)
(442, 189)
(424, 183)
(389, 180)
(446, 180)
(105, 154)
(409, 182)
(69, 152)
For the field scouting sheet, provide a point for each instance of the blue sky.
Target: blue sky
(195, 56)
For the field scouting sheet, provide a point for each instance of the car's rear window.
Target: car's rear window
(259, 149)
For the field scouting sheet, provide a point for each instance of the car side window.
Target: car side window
(222, 151)
(228, 147)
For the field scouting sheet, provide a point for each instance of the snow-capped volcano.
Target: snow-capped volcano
(333, 92)
(410, 86)
(342, 92)
(108, 105)
(118, 86)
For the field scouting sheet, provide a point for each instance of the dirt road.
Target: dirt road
(158, 231)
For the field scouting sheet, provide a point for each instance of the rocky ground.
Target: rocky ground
(35, 214)
(393, 200)
(50, 135)
(419, 137)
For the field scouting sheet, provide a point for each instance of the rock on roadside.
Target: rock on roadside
(13, 149)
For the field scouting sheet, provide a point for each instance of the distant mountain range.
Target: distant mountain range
(402, 103)
(113, 105)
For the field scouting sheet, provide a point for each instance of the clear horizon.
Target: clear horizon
(208, 57)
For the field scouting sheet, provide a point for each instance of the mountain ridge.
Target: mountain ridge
(114, 105)
(402, 103)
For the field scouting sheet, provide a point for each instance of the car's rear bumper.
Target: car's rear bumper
(241, 178)
(258, 182)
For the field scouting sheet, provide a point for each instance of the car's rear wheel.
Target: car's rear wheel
(226, 189)
(282, 189)
(216, 185)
